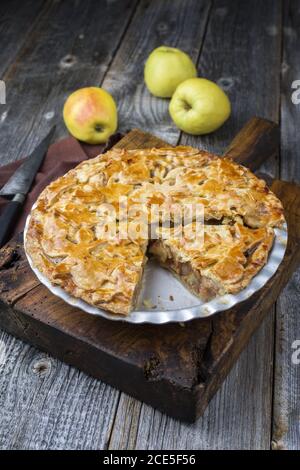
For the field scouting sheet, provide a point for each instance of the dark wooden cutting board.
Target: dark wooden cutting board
(176, 368)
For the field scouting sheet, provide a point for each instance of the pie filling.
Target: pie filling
(66, 242)
(224, 262)
(200, 285)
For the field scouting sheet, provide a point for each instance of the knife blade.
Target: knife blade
(19, 185)
(21, 181)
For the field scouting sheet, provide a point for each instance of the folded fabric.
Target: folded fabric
(60, 158)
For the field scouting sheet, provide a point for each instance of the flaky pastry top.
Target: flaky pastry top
(65, 238)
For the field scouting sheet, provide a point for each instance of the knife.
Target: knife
(19, 185)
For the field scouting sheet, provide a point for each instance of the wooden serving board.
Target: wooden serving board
(176, 368)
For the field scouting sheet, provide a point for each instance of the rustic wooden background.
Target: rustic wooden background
(50, 48)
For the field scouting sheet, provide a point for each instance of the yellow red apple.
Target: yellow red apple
(90, 115)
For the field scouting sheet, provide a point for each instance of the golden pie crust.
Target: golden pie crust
(66, 242)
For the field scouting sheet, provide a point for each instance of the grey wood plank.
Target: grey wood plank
(72, 46)
(173, 23)
(286, 425)
(290, 111)
(51, 432)
(16, 28)
(239, 44)
(249, 73)
(231, 421)
(60, 408)
(45, 404)
(242, 53)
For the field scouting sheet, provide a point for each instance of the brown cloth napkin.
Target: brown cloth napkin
(60, 158)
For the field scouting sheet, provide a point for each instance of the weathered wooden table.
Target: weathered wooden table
(50, 48)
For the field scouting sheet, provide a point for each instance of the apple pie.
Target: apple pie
(70, 241)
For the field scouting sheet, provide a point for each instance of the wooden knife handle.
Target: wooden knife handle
(257, 141)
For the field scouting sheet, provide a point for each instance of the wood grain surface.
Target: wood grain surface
(175, 368)
(251, 49)
(238, 44)
(15, 30)
(72, 46)
(178, 24)
(286, 412)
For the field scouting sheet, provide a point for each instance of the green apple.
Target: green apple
(165, 68)
(199, 106)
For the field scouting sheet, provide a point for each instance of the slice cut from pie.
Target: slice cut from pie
(78, 233)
